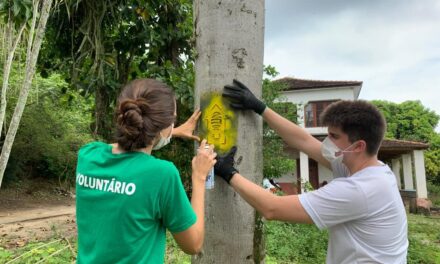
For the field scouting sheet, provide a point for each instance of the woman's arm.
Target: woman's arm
(191, 240)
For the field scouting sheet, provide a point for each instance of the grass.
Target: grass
(295, 243)
(424, 239)
(285, 243)
(434, 194)
(54, 251)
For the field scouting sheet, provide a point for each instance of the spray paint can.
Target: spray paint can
(209, 184)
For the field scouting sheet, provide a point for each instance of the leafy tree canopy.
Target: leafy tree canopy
(411, 120)
(275, 162)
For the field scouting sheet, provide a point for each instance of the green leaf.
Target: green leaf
(16, 8)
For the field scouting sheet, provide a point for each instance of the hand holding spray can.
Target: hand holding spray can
(209, 184)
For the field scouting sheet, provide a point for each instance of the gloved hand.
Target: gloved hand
(243, 98)
(225, 165)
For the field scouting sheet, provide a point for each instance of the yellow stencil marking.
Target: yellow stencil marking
(218, 124)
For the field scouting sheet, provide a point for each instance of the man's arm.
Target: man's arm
(272, 207)
(295, 136)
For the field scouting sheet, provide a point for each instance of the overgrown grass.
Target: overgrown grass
(434, 194)
(424, 239)
(295, 243)
(174, 255)
(54, 251)
(285, 243)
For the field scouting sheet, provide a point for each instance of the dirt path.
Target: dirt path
(28, 215)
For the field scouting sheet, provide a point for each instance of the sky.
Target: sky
(393, 46)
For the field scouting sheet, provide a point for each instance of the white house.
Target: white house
(311, 98)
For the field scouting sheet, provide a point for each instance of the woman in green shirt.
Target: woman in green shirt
(125, 197)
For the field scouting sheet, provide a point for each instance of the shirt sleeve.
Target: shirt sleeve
(177, 212)
(338, 202)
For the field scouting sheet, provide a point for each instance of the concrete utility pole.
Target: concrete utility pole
(229, 42)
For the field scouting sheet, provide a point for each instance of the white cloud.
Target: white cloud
(393, 47)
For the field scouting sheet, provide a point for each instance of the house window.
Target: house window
(313, 111)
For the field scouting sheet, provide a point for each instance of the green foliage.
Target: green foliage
(101, 45)
(174, 255)
(52, 252)
(432, 160)
(434, 194)
(53, 127)
(180, 151)
(285, 244)
(20, 11)
(410, 120)
(295, 243)
(275, 161)
(424, 235)
(180, 78)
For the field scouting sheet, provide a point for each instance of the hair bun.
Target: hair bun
(144, 108)
(130, 118)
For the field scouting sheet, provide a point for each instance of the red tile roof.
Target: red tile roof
(394, 144)
(302, 84)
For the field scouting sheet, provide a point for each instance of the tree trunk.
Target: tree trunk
(11, 45)
(102, 109)
(229, 43)
(34, 46)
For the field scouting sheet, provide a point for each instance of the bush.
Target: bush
(434, 193)
(424, 237)
(54, 251)
(297, 243)
(53, 127)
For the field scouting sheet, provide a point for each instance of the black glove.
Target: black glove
(243, 98)
(225, 165)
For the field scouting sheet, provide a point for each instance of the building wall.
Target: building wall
(304, 96)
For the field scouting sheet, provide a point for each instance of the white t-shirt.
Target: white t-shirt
(364, 214)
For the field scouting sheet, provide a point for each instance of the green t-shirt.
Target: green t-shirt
(124, 204)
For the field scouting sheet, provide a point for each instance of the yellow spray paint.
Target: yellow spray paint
(218, 124)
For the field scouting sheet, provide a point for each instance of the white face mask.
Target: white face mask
(163, 141)
(331, 152)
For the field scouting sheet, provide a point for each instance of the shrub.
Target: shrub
(287, 243)
(53, 127)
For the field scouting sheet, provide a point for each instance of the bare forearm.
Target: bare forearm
(272, 207)
(198, 204)
(289, 131)
(255, 195)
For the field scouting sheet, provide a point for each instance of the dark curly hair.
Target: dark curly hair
(360, 120)
(144, 108)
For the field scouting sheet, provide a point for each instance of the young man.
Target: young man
(361, 207)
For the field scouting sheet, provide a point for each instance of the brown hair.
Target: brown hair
(144, 108)
(359, 119)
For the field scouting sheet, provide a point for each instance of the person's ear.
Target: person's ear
(361, 146)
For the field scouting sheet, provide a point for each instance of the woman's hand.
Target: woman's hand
(186, 130)
(203, 162)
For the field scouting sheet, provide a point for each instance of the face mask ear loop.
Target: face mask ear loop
(171, 132)
(348, 151)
